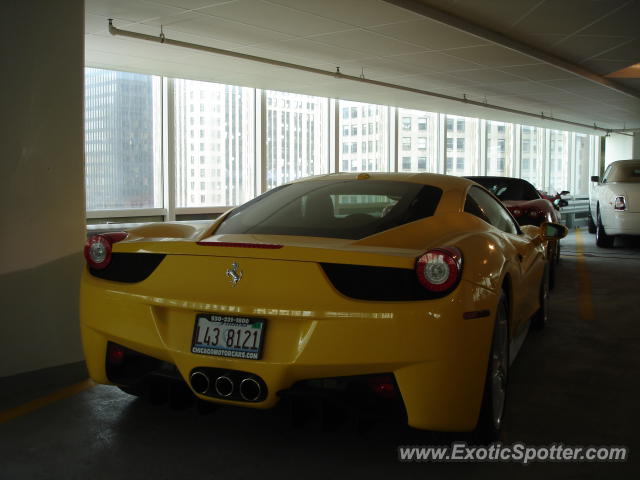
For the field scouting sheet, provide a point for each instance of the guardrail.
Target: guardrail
(576, 213)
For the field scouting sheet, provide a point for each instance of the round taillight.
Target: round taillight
(516, 212)
(534, 213)
(439, 269)
(97, 250)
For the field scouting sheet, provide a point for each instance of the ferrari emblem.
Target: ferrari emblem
(234, 273)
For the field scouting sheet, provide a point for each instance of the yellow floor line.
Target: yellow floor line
(38, 403)
(585, 306)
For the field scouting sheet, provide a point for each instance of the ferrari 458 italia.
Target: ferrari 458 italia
(412, 289)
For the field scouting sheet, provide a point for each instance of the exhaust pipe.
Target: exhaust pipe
(200, 382)
(250, 389)
(224, 386)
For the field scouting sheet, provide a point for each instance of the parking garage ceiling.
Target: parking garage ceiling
(540, 56)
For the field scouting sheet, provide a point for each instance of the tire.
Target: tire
(591, 224)
(136, 391)
(541, 317)
(491, 418)
(602, 239)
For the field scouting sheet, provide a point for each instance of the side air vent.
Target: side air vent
(129, 267)
(377, 283)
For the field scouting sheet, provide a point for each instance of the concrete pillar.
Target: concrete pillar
(636, 145)
(41, 183)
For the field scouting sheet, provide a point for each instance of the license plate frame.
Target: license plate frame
(245, 329)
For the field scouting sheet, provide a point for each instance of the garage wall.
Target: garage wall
(41, 183)
(636, 145)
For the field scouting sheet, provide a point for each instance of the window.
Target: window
(531, 155)
(484, 206)
(349, 209)
(499, 138)
(583, 161)
(370, 157)
(214, 144)
(295, 137)
(450, 124)
(558, 161)
(419, 138)
(123, 166)
(232, 136)
(465, 139)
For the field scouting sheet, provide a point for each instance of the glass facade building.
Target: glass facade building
(183, 146)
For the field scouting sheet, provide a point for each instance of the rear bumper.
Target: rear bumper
(622, 223)
(438, 358)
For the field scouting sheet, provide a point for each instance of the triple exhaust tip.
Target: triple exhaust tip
(224, 386)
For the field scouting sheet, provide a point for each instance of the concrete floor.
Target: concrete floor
(576, 383)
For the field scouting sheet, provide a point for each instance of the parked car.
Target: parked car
(528, 206)
(406, 290)
(614, 204)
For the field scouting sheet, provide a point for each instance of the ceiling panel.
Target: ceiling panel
(129, 10)
(390, 44)
(492, 56)
(363, 13)
(227, 30)
(564, 17)
(485, 75)
(437, 62)
(302, 48)
(430, 34)
(581, 47)
(367, 42)
(275, 17)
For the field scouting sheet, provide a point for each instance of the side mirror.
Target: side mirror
(565, 192)
(553, 231)
(595, 178)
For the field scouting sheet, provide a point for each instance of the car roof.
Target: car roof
(496, 178)
(633, 162)
(446, 182)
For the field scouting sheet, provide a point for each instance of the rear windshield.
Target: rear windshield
(351, 209)
(625, 173)
(508, 188)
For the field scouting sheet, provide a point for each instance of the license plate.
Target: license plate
(228, 336)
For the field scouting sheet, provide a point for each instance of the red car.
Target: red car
(527, 205)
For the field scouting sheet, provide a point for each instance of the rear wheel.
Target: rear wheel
(541, 318)
(136, 391)
(495, 389)
(591, 224)
(602, 239)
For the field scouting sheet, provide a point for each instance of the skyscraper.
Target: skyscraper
(122, 161)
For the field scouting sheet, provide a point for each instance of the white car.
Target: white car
(614, 205)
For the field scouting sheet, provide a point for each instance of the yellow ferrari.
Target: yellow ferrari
(406, 289)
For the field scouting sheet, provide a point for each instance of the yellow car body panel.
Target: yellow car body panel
(438, 357)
